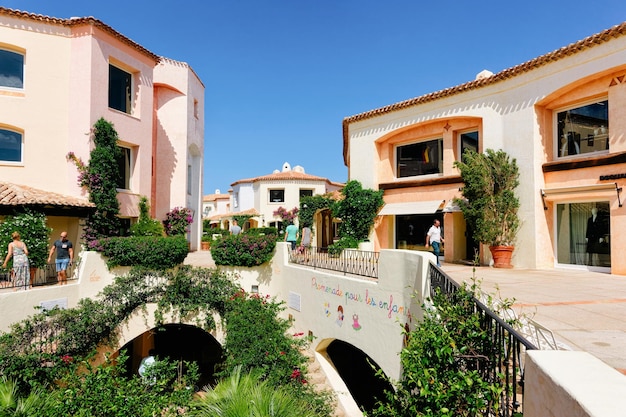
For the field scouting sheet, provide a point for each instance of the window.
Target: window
(277, 196)
(468, 141)
(306, 193)
(120, 88)
(584, 234)
(195, 108)
(583, 129)
(421, 158)
(11, 69)
(124, 169)
(10, 146)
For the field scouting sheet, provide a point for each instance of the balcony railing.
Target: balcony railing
(348, 262)
(502, 362)
(35, 277)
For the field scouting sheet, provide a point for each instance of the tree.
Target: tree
(357, 210)
(489, 204)
(101, 177)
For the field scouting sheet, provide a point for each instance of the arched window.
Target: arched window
(11, 69)
(10, 146)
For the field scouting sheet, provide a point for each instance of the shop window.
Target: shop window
(277, 196)
(421, 158)
(10, 146)
(468, 142)
(124, 167)
(583, 130)
(411, 230)
(120, 89)
(11, 69)
(583, 234)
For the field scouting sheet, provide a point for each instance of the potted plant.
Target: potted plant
(489, 203)
(206, 241)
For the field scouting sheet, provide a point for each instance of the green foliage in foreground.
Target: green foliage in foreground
(250, 395)
(243, 250)
(438, 364)
(60, 371)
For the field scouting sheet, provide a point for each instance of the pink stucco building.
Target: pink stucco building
(57, 78)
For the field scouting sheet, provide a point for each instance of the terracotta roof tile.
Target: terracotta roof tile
(77, 21)
(283, 176)
(213, 197)
(571, 49)
(249, 212)
(22, 195)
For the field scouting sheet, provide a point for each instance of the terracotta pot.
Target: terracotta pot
(502, 256)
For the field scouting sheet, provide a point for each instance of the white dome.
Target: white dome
(286, 167)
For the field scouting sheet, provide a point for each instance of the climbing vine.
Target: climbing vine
(101, 178)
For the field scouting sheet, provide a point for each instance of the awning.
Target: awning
(555, 193)
(417, 207)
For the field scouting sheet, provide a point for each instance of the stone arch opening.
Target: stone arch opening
(178, 343)
(358, 372)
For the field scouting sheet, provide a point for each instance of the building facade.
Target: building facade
(59, 76)
(261, 196)
(559, 115)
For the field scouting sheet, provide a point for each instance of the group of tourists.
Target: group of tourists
(20, 273)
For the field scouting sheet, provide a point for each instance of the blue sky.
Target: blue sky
(280, 76)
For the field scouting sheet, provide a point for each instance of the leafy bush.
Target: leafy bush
(243, 250)
(146, 226)
(262, 345)
(357, 210)
(345, 242)
(105, 391)
(34, 232)
(145, 251)
(439, 364)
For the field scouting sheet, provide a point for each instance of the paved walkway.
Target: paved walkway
(584, 310)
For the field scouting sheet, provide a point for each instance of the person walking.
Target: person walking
(65, 255)
(291, 235)
(21, 270)
(434, 238)
(235, 229)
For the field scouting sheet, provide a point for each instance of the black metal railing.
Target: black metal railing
(502, 362)
(20, 278)
(349, 261)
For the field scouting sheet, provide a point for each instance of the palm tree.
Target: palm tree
(247, 395)
(12, 405)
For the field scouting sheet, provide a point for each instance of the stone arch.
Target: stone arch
(356, 369)
(182, 340)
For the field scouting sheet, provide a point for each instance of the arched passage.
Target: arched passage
(358, 372)
(178, 343)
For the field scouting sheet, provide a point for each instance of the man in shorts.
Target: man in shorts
(65, 256)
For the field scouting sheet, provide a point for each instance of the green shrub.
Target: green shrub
(345, 242)
(34, 232)
(146, 226)
(243, 250)
(150, 252)
(357, 210)
(258, 231)
(439, 364)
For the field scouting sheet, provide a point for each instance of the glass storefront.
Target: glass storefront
(411, 230)
(583, 234)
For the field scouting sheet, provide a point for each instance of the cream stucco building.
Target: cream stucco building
(560, 115)
(57, 78)
(261, 196)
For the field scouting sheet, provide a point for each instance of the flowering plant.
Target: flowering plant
(177, 221)
(287, 217)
